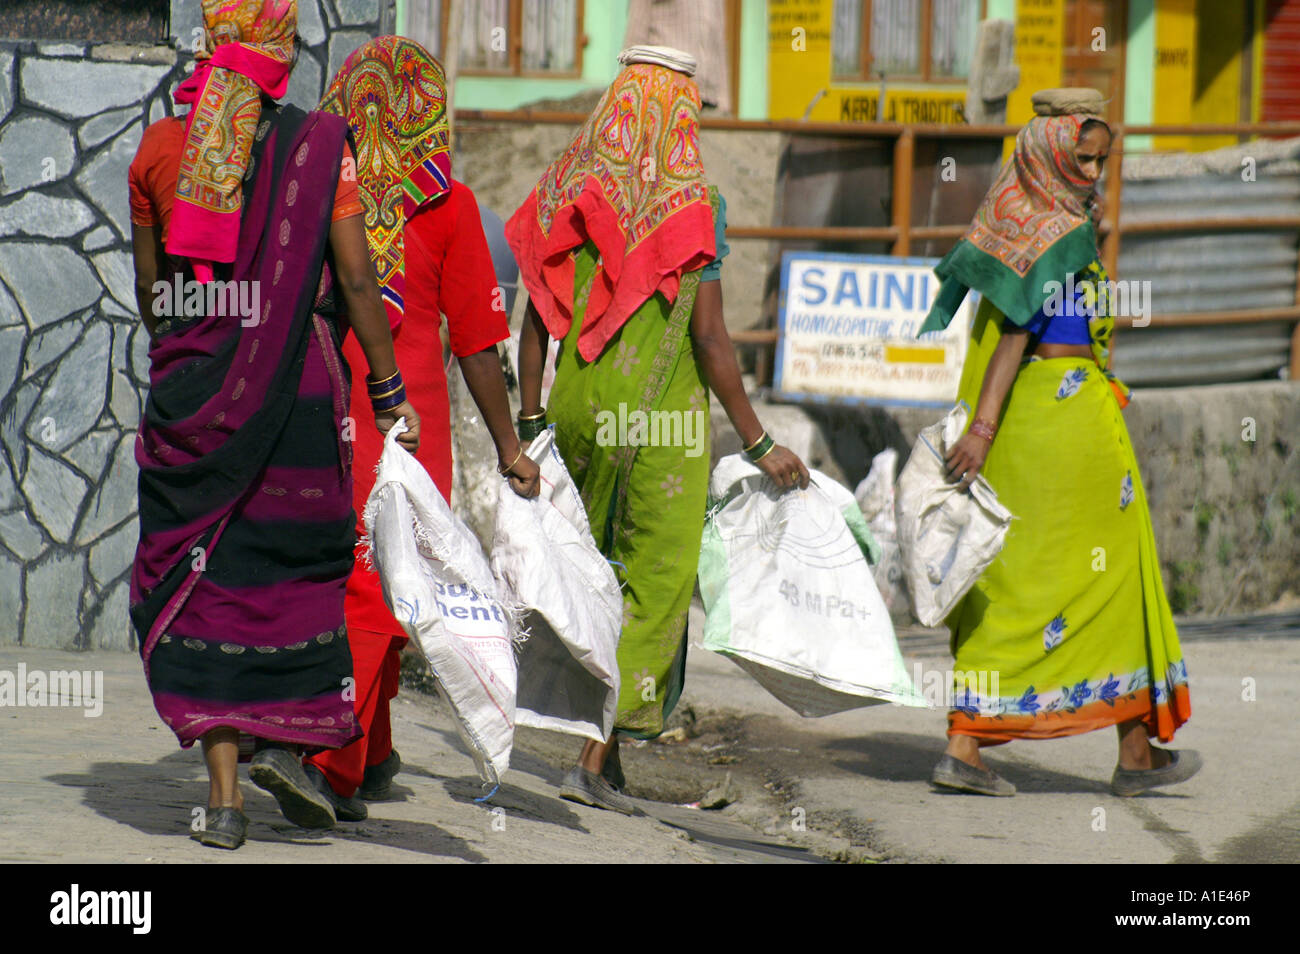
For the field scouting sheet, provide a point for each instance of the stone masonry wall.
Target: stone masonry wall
(73, 353)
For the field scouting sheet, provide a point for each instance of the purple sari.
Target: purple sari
(246, 521)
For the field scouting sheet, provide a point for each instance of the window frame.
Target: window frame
(515, 46)
(864, 74)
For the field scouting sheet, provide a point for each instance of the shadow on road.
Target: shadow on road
(159, 798)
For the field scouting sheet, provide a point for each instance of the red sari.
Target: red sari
(448, 271)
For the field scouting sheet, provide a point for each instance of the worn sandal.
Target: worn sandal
(224, 827)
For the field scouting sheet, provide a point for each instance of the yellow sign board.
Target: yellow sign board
(1175, 70)
(902, 105)
(798, 55)
(1040, 37)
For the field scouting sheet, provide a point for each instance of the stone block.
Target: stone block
(54, 493)
(357, 12)
(20, 535)
(98, 238)
(112, 627)
(49, 281)
(90, 454)
(115, 499)
(53, 591)
(306, 85)
(342, 45)
(6, 83)
(45, 216)
(117, 272)
(112, 556)
(105, 126)
(34, 150)
(11, 598)
(310, 26)
(73, 398)
(89, 87)
(50, 343)
(103, 180)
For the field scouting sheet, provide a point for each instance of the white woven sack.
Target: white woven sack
(875, 496)
(546, 562)
(947, 536)
(789, 595)
(437, 583)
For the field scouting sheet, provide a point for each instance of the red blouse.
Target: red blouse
(448, 271)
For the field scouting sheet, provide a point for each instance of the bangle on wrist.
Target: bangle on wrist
(381, 385)
(756, 442)
(505, 470)
(985, 429)
(760, 448)
(389, 401)
(531, 425)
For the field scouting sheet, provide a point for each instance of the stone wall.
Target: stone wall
(73, 354)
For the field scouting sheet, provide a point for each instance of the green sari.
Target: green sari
(645, 503)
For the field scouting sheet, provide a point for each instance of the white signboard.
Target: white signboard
(848, 328)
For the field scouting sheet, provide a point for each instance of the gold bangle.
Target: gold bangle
(531, 417)
(507, 470)
(756, 443)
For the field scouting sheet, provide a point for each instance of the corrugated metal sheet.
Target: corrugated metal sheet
(1196, 272)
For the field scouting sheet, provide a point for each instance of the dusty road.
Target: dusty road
(850, 787)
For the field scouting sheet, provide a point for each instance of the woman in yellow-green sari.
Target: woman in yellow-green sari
(1071, 618)
(619, 246)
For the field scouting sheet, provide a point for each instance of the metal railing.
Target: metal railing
(901, 233)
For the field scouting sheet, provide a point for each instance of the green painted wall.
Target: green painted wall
(996, 10)
(1139, 71)
(751, 102)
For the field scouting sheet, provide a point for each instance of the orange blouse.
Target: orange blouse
(157, 163)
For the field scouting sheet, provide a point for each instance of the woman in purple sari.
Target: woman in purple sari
(244, 229)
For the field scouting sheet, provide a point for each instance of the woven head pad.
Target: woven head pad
(1068, 101)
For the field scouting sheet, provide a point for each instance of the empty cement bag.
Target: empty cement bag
(875, 496)
(789, 595)
(947, 536)
(546, 562)
(438, 584)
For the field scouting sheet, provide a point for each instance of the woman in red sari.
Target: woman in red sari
(427, 243)
(246, 524)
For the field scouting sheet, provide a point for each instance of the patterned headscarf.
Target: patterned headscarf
(251, 46)
(1039, 195)
(393, 94)
(632, 182)
(1032, 228)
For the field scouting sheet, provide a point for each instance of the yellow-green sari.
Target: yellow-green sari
(1071, 618)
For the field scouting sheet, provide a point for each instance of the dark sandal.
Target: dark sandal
(224, 827)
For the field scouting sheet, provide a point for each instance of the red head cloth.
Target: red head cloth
(631, 182)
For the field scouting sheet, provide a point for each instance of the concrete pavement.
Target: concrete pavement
(847, 787)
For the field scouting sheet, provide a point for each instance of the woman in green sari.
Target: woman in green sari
(620, 246)
(1070, 622)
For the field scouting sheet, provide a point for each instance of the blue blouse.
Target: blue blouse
(1069, 326)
